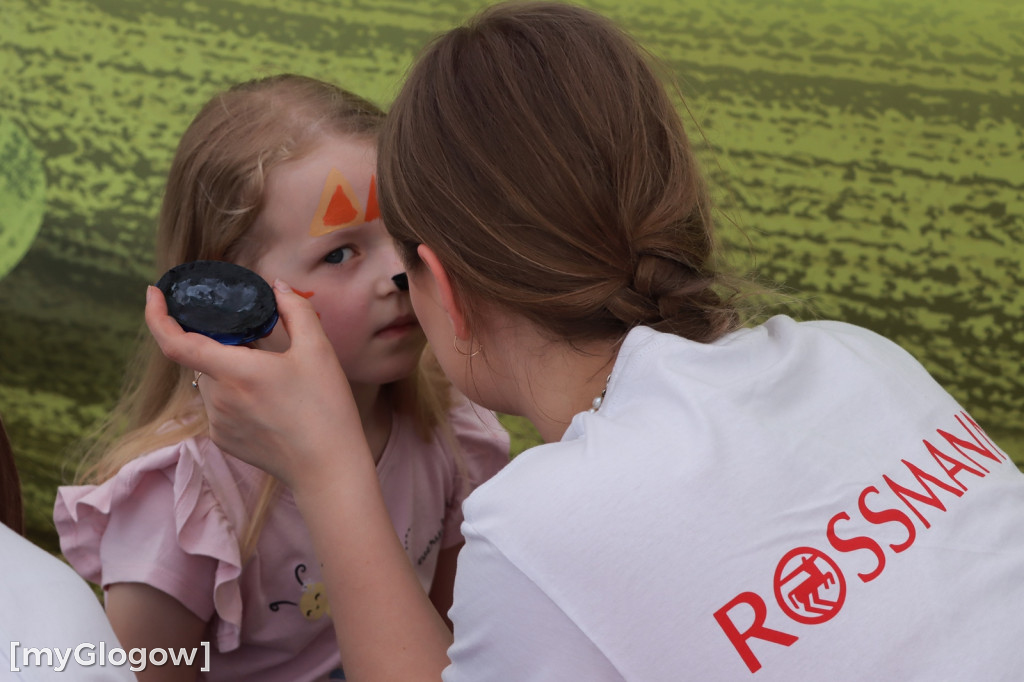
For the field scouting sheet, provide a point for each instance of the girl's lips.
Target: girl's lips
(399, 326)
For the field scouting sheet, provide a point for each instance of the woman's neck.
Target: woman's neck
(563, 392)
(554, 381)
(375, 413)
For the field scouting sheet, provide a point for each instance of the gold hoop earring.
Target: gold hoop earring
(455, 345)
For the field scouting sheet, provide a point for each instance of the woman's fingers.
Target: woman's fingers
(311, 362)
(299, 319)
(191, 350)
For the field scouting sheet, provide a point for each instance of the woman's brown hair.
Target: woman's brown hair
(538, 154)
(215, 191)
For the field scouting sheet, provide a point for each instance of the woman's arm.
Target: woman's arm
(293, 415)
(143, 616)
(387, 628)
(442, 589)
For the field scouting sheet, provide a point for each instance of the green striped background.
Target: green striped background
(867, 155)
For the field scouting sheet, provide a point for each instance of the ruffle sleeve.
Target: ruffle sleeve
(170, 519)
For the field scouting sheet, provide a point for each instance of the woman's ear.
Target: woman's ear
(444, 288)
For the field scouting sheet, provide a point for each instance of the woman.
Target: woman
(799, 500)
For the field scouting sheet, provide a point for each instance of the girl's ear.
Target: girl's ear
(444, 288)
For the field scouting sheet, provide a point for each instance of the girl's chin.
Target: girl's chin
(385, 372)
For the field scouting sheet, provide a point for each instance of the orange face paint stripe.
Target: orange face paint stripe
(372, 211)
(338, 207)
(306, 294)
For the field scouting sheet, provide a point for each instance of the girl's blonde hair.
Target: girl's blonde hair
(537, 153)
(215, 191)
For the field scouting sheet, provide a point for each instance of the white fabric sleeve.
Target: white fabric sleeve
(507, 628)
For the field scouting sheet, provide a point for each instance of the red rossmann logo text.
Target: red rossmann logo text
(809, 587)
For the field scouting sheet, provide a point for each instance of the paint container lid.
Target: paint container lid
(224, 301)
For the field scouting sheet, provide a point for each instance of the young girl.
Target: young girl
(789, 500)
(192, 544)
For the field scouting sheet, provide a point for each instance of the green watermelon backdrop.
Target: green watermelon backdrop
(867, 155)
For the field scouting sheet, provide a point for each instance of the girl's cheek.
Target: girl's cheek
(306, 295)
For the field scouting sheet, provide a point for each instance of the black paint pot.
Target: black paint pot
(224, 301)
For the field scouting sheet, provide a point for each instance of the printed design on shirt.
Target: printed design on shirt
(434, 540)
(312, 602)
(809, 587)
(805, 580)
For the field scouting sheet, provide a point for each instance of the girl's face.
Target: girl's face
(321, 234)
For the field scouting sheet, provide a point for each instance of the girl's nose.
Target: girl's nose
(391, 263)
(392, 278)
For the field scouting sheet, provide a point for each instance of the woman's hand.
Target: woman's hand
(293, 415)
(286, 412)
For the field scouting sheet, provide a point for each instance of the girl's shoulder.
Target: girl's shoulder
(469, 446)
(472, 423)
(189, 462)
(481, 443)
(467, 431)
(184, 488)
(169, 519)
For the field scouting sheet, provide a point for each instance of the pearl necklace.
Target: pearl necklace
(595, 404)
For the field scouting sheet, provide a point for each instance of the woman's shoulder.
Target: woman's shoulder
(838, 341)
(549, 474)
(776, 329)
(777, 344)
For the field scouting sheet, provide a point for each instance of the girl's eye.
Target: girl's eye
(339, 255)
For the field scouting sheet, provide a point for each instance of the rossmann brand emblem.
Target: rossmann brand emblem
(809, 587)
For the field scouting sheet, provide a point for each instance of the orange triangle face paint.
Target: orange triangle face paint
(372, 212)
(338, 207)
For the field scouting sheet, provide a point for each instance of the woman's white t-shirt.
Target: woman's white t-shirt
(797, 501)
